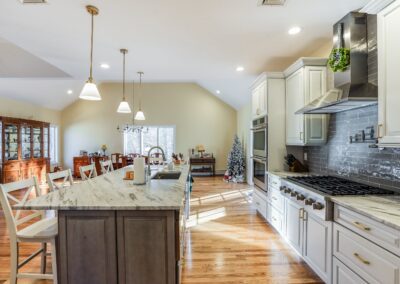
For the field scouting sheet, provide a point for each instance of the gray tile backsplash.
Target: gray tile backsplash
(355, 161)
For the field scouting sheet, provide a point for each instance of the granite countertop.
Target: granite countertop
(384, 209)
(111, 192)
(285, 174)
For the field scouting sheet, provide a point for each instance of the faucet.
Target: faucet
(148, 155)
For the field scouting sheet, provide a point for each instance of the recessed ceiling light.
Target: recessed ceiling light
(70, 92)
(218, 92)
(239, 68)
(294, 30)
(104, 66)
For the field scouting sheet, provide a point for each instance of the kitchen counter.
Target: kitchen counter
(383, 209)
(285, 174)
(111, 192)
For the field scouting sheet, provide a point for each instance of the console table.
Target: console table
(198, 161)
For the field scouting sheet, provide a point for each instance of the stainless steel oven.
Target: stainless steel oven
(260, 137)
(260, 166)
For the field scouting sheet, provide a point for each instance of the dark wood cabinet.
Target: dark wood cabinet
(79, 162)
(24, 149)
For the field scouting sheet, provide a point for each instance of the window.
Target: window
(54, 144)
(162, 136)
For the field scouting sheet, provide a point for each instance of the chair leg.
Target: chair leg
(43, 259)
(54, 260)
(13, 262)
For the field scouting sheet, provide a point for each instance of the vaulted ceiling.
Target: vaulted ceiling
(44, 49)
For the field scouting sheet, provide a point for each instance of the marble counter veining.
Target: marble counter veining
(383, 209)
(112, 192)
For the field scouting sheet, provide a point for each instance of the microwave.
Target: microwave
(260, 137)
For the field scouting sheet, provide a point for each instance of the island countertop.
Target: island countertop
(384, 209)
(111, 192)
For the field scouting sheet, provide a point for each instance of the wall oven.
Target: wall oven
(260, 152)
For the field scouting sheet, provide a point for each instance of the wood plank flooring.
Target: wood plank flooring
(227, 242)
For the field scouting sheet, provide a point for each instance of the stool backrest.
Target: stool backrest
(65, 175)
(90, 170)
(106, 166)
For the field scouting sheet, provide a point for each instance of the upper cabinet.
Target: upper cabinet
(259, 97)
(306, 81)
(388, 81)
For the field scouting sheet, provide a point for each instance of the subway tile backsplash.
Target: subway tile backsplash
(355, 161)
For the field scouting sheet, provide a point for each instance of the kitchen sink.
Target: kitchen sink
(167, 175)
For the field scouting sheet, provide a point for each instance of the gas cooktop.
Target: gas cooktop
(331, 185)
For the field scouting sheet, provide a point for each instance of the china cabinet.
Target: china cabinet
(24, 149)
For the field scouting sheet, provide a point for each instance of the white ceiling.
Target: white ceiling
(171, 41)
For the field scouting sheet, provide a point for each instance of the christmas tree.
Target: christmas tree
(236, 162)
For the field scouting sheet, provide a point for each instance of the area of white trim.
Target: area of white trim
(375, 6)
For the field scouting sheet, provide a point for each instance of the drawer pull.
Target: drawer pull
(361, 226)
(301, 214)
(274, 198)
(274, 219)
(356, 255)
(258, 203)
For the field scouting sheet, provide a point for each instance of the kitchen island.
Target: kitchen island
(112, 231)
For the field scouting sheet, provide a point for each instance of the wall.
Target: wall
(243, 132)
(355, 161)
(18, 109)
(199, 116)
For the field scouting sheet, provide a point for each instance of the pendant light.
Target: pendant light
(123, 105)
(90, 91)
(140, 114)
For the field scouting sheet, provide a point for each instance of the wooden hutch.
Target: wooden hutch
(25, 149)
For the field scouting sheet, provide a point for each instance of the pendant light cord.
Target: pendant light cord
(133, 102)
(123, 79)
(141, 91)
(91, 50)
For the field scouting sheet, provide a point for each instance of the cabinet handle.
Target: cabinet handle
(301, 214)
(301, 135)
(258, 203)
(274, 198)
(379, 131)
(274, 219)
(361, 226)
(361, 259)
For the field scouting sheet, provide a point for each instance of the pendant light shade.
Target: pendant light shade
(140, 113)
(90, 91)
(123, 105)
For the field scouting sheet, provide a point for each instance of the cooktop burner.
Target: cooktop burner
(331, 185)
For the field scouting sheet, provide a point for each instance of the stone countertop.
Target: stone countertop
(285, 174)
(384, 209)
(111, 192)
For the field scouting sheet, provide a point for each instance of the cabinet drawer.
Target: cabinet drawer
(277, 199)
(276, 219)
(344, 275)
(274, 181)
(371, 262)
(260, 204)
(11, 166)
(377, 232)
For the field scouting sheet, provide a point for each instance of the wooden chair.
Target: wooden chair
(91, 169)
(115, 159)
(43, 231)
(65, 175)
(156, 159)
(106, 166)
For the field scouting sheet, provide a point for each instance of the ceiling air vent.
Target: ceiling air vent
(270, 2)
(33, 1)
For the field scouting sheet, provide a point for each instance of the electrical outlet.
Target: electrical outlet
(305, 156)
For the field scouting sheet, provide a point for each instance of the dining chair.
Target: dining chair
(43, 231)
(115, 159)
(65, 175)
(156, 159)
(106, 166)
(91, 169)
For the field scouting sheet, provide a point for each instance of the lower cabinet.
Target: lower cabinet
(341, 274)
(294, 225)
(260, 202)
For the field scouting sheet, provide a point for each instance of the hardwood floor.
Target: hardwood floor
(227, 242)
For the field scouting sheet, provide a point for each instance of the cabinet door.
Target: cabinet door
(294, 102)
(317, 249)
(294, 224)
(262, 98)
(344, 275)
(254, 102)
(314, 87)
(389, 83)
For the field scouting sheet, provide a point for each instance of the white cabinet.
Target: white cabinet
(294, 225)
(260, 202)
(388, 81)
(306, 81)
(343, 275)
(259, 99)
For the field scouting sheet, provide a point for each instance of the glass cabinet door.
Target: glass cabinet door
(37, 142)
(10, 142)
(26, 139)
(46, 142)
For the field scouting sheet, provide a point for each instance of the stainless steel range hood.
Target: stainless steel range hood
(358, 85)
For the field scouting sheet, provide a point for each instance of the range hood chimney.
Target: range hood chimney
(356, 86)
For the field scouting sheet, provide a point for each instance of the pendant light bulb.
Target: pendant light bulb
(123, 105)
(90, 91)
(140, 113)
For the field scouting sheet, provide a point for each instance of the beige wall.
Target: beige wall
(243, 132)
(199, 117)
(18, 109)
